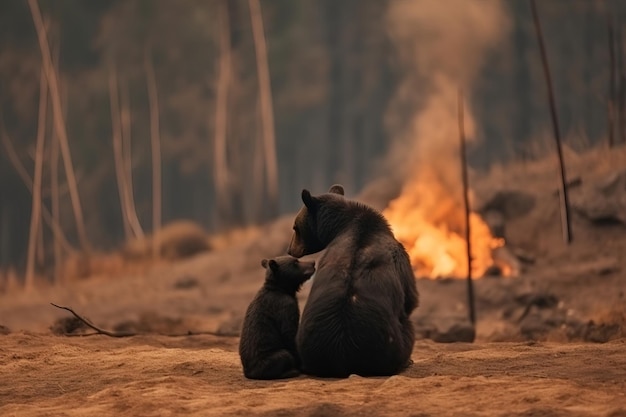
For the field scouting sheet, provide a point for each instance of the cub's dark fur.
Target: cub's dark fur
(356, 319)
(267, 346)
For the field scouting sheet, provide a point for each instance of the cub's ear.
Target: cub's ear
(264, 263)
(273, 265)
(309, 201)
(336, 189)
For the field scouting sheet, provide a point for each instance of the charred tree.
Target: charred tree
(564, 201)
(466, 208)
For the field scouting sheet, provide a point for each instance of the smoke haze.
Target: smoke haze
(441, 47)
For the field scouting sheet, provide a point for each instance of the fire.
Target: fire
(430, 224)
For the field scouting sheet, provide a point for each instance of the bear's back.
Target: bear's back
(266, 317)
(367, 265)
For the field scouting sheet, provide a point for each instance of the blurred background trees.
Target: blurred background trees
(333, 70)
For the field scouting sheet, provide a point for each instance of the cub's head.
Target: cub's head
(287, 272)
(308, 236)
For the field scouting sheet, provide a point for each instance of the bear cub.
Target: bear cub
(267, 346)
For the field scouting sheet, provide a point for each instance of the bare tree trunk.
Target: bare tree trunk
(611, 107)
(5, 236)
(54, 173)
(466, 207)
(155, 142)
(35, 214)
(126, 121)
(258, 210)
(59, 124)
(621, 85)
(220, 161)
(28, 181)
(117, 151)
(40, 252)
(564, 201)
(267, 111)
(121, 128)
(54, 198)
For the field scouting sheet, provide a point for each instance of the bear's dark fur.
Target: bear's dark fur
(356, 319)
(267, 347)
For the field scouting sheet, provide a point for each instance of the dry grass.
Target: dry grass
(591, 164)
(176, 241)
(107, 265)
(234, 237)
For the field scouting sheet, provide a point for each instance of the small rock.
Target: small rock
(604, 201)
(510, 204)
(523, 255)
(536, 327)
(458, 332)
(186, 283)
(574, 182)
(539, 299)
(600, 333)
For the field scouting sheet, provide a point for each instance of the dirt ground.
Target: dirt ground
(201, 375)
(549, 342)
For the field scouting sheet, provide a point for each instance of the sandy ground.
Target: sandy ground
(535, 352)
(201, 375)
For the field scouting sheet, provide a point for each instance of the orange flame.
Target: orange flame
(430, 225)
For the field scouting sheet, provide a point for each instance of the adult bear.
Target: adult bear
(356, 319)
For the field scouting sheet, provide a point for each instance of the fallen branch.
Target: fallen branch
(94, 327)
(536, 300)
(99, 330)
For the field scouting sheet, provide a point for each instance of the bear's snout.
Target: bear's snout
(295, 249)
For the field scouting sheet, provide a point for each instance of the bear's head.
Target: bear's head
(309, 235)
(287, 273)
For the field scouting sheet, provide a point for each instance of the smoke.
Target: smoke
(441, 47)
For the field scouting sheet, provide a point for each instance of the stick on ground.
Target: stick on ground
(104, 332)
(94, 327)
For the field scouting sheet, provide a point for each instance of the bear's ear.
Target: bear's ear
(336, 189)
(309, 201)
(264, 263)
(273, 265)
